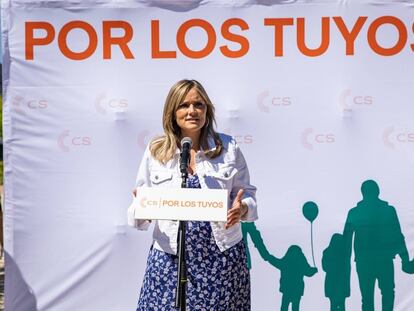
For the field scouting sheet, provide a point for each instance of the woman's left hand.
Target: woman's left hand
(237, 211)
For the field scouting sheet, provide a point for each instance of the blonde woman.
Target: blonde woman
(215, 253)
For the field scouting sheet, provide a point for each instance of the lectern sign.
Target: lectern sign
(181, 204)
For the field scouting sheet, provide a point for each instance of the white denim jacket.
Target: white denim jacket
(227, 171)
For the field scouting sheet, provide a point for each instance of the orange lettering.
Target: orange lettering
(372, 38)
(31, 41)
(211, 38)
(62, 40)
(324, 41)
(155, 42)
(349, 36)
(412, 45)
(278, 23)
(108, 40)
(244, 43)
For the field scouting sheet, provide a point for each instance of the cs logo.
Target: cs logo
(66, 141)
(391, 137)
(265, 101)
(21, 105)
(144, 202)
(347, 100)
(143, 138)
(240, 139)
(309, 138)
(103, 103)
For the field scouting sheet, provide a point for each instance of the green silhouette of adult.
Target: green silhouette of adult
(293, 268)
(249, 228)
(336, 264)
(378, 239)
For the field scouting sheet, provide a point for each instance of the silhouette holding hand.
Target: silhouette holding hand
(249, 228)
(335, 263)
(293, 268)
(408, 266)
(376, 230)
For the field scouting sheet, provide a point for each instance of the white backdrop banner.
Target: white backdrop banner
(319, 95)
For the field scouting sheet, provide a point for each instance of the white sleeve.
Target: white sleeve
(142, 180)
(242, 181)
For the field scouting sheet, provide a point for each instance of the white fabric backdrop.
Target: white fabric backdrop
(311, 128)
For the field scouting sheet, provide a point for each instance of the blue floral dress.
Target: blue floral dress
(217, 281)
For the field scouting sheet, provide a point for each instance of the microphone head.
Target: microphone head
(186, 140)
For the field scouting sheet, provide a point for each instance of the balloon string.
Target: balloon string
(313, 256)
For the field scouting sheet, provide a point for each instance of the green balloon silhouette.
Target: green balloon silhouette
(310, 211)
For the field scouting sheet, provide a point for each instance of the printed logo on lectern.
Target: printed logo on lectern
(22, 106)
(104, 103)
(392, 137)
(311, 138)
(143, 202)
(266, 101)
(67, 142)
(348, 100)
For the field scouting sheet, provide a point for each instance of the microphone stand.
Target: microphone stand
(180, 296)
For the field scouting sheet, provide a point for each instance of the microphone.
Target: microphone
(186, 144)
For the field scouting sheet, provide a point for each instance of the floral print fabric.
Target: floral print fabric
(217, 281)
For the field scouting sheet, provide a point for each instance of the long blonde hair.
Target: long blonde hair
(164, 147)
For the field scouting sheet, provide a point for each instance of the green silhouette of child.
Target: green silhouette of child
(336, 264)
(293, 268)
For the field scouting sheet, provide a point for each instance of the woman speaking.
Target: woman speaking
(218, 277)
